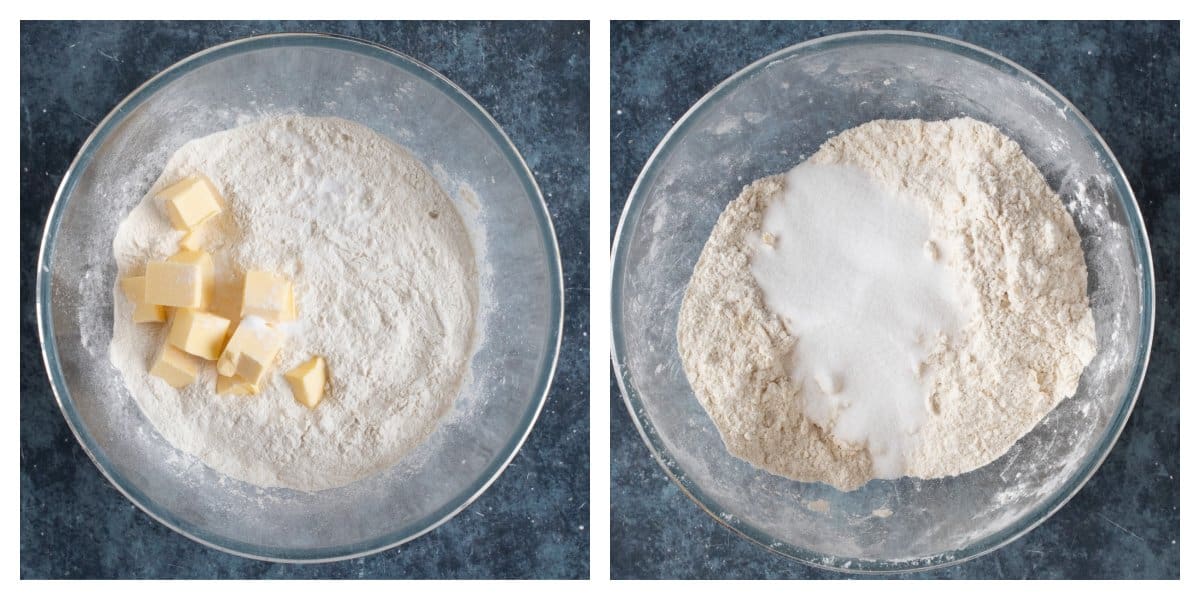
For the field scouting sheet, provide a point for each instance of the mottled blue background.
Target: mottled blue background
(1125, 78)
(532, 77)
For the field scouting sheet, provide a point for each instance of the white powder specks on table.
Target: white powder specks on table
(909, 301)
(386, 289)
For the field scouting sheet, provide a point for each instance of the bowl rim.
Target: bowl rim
(1052, 503)
(545, 229)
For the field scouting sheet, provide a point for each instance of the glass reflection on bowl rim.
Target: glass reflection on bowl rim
(727, 518)
(481, 118)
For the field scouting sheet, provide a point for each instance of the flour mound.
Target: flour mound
(385, 283)
(1018, 259)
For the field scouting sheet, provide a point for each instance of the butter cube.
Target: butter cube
(199, 258)
(135, 289)
(198, 333)
(191, 202)
(308, 382)
(174, 284)
(234, 387)
(251, 351)
(149, 313)
(176, 367)
(143, 312)
(184, 280)
(191, 240)
(268, 296)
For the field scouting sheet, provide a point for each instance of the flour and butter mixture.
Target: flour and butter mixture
(911, 300)
(385, 289)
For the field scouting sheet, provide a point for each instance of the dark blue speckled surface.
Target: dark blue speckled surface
(1125, 78)
(532, 77)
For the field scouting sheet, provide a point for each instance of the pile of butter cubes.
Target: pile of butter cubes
(179, 292)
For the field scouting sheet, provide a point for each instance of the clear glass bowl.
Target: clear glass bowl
(764, 120)
(402, 99)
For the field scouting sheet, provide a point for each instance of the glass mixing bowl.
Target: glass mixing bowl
(407, 102)
(764, 120)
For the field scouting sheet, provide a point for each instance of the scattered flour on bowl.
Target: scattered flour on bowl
(911, 300)
(386, 287)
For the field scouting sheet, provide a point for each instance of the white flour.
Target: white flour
(386, 288)
(1018, 268)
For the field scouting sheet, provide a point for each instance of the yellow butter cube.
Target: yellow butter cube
(184, 280)
(135, 289)
(174, 284)
(308, 381)
(174, 366)
(143, 312)
(268, 296)
(149, 313)
(251, 351)
(198, 258)
(198, 333)
(191, 202)
(234, 387)
(191, 240)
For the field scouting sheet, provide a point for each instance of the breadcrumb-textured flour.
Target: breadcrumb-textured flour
(386, 288)
(1026, 332)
